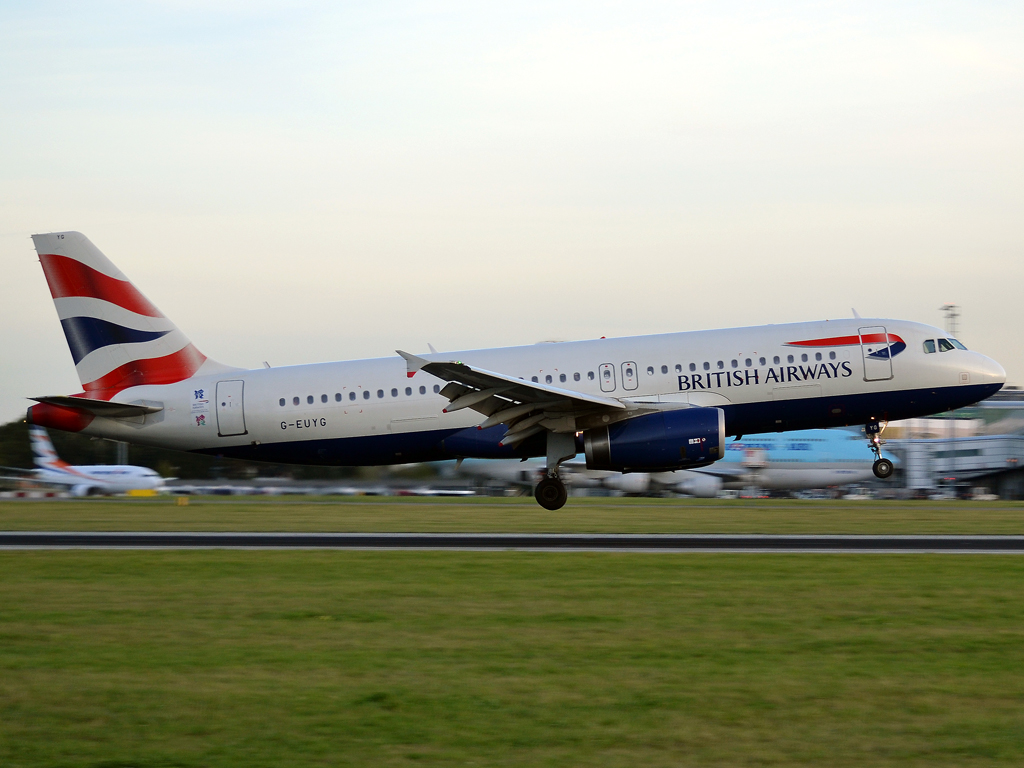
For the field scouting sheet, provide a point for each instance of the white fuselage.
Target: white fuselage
(104, 479)
(374, 412)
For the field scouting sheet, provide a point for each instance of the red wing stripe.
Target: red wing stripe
(67, 277)
(156, 370)
(843, 341)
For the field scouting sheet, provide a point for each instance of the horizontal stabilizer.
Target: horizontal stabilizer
(103, 408)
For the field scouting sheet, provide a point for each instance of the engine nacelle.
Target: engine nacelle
(688, 437)
(84, 490)
(701, 486)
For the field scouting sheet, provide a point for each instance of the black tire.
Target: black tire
(882, 469)
(551, 493)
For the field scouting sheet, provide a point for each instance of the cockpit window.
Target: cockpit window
(929, 346)
(945, 346)
(957, 344)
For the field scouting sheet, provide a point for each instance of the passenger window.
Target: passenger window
(437, 388)
(351, 395)
(945, 346)
(629, 372)
(803, 358)
(309, 399)
(590, 375)
(282, 402)
(366, 394)
(547, 379)
(575, 377)
(650, 370)
(957, 344)
(423, 390)
(817, 355)
(929, 346)
(748, 362)
(337, 397)
(679, 368)
(721, 365)
(735, 363)
(533, 379)
(693, 366)
(831, 355)
(408, 391)
(789, 358)
(707, 366)
(380, 393)
(295, 401)
(323, 398)
(561, 377)
(394, 393)
(761, 361)
(775, 360)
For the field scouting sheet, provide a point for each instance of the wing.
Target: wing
(525, 407)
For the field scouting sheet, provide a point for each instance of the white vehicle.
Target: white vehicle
(639, 404)
(87, 480)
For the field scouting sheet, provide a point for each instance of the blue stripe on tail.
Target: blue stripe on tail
(86, 334)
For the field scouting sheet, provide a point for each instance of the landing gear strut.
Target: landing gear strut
(551, 493)
(882, 467)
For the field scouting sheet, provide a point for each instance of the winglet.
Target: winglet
(856, 314)
(413, 362)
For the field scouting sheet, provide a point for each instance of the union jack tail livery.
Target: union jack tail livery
(118, 339)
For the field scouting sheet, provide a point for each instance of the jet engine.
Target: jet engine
(663, 441)
(696, 484)
(84, 490)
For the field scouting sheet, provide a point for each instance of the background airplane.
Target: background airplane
(84, 480)
(813, 458)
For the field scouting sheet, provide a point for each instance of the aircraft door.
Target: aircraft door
(629, 375)
(874, 348)
(606, 373)
(230, 411)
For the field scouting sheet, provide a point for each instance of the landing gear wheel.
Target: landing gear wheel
(882, 469)
(551, 493)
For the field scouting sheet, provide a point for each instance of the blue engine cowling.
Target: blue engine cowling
(688, 437)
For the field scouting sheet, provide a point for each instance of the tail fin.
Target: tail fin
(118, 339)
(43, 452)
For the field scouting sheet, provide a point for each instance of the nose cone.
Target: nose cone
(989, 374)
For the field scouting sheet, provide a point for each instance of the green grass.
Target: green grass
(488, 514)
(418, 658)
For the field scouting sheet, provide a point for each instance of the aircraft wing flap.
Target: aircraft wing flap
(510, 388)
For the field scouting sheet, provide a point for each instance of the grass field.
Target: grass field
(417, 658)
(225, 658)
(522, 514)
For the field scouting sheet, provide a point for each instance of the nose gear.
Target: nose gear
(882, 467)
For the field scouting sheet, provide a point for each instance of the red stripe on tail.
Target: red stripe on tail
(155, 370)
(68, 277)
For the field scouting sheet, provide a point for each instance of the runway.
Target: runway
(540, 542)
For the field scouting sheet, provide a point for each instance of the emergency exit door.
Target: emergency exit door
(874, 348)
(230, 410)
(606, 373)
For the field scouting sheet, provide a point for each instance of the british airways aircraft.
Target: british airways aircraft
(86, 480)
(637, 404)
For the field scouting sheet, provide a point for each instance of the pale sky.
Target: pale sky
(305, 182)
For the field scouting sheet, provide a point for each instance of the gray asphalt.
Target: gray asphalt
(549, 542)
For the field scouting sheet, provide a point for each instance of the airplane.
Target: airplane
(85, 480)
(814, 458)
(632, 404)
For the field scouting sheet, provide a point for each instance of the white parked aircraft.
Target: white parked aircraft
(645, 403)
(86, 480)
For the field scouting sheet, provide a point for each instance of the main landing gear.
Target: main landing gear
(882, 467)
(550, 492)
